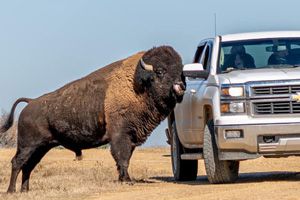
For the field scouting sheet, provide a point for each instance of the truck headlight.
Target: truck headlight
(233, 91)
(233, 107)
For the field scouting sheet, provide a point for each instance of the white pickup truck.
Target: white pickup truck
(242, 101)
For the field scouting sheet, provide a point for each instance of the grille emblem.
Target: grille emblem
(296, 97)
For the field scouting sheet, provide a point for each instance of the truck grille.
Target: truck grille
(275, 90)
(276, 107)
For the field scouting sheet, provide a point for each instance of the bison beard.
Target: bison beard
(119, 104)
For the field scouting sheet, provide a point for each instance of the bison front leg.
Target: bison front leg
(121, 150)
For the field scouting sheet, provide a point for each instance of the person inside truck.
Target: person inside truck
(243, 61)
(239, 59)
(239, 62)
(279, 57)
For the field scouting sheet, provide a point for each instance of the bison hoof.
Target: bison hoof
(125, 179)
(128, 182)
(11, 191)
(24, 190)
(78, 158)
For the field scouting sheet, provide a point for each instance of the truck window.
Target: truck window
(206, 57)
(199, 53)
(259, 53)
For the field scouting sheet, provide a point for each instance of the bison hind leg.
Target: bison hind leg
(33, 159)
(17, 163)
(78, 155)
(26, 159)
(34, 142)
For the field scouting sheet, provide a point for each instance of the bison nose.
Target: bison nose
(181, 85)
(179, 88)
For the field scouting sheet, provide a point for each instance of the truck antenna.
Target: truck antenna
(215, 15)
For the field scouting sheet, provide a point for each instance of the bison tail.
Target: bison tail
(10, 120)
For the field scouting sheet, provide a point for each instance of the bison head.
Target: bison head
(159, 73)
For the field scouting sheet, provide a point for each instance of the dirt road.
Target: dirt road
(59, 177)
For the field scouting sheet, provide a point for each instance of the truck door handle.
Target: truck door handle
(193, 91)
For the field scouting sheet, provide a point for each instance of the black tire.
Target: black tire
(183, 170)
(218, 171)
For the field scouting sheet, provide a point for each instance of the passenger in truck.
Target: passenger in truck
(279, 57)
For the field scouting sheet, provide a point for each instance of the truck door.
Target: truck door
(186, 118)
(197, 90)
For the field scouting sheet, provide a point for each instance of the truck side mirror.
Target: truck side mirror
(195, 70)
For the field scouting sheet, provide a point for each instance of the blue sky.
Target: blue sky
(46, 44)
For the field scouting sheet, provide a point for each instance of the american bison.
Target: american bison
(119, 104)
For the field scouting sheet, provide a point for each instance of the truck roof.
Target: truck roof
(260, 35)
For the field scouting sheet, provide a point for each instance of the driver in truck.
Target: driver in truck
(239, 59)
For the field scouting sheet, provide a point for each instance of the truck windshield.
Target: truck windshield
(262, 53)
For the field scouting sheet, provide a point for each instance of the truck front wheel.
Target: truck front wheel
(183, 170)
(218, 171)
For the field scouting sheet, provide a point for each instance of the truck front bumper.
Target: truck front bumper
(280, 139)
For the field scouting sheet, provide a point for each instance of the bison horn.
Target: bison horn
(146, 66)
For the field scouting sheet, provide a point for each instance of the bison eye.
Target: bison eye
(160, 73)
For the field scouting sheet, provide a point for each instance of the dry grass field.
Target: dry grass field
(59, 177)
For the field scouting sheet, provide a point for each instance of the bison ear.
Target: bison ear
(143, 78)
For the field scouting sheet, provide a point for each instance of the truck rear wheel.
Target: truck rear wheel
(183, 170)
(218, 171)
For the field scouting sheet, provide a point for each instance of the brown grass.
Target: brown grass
(59, 177)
